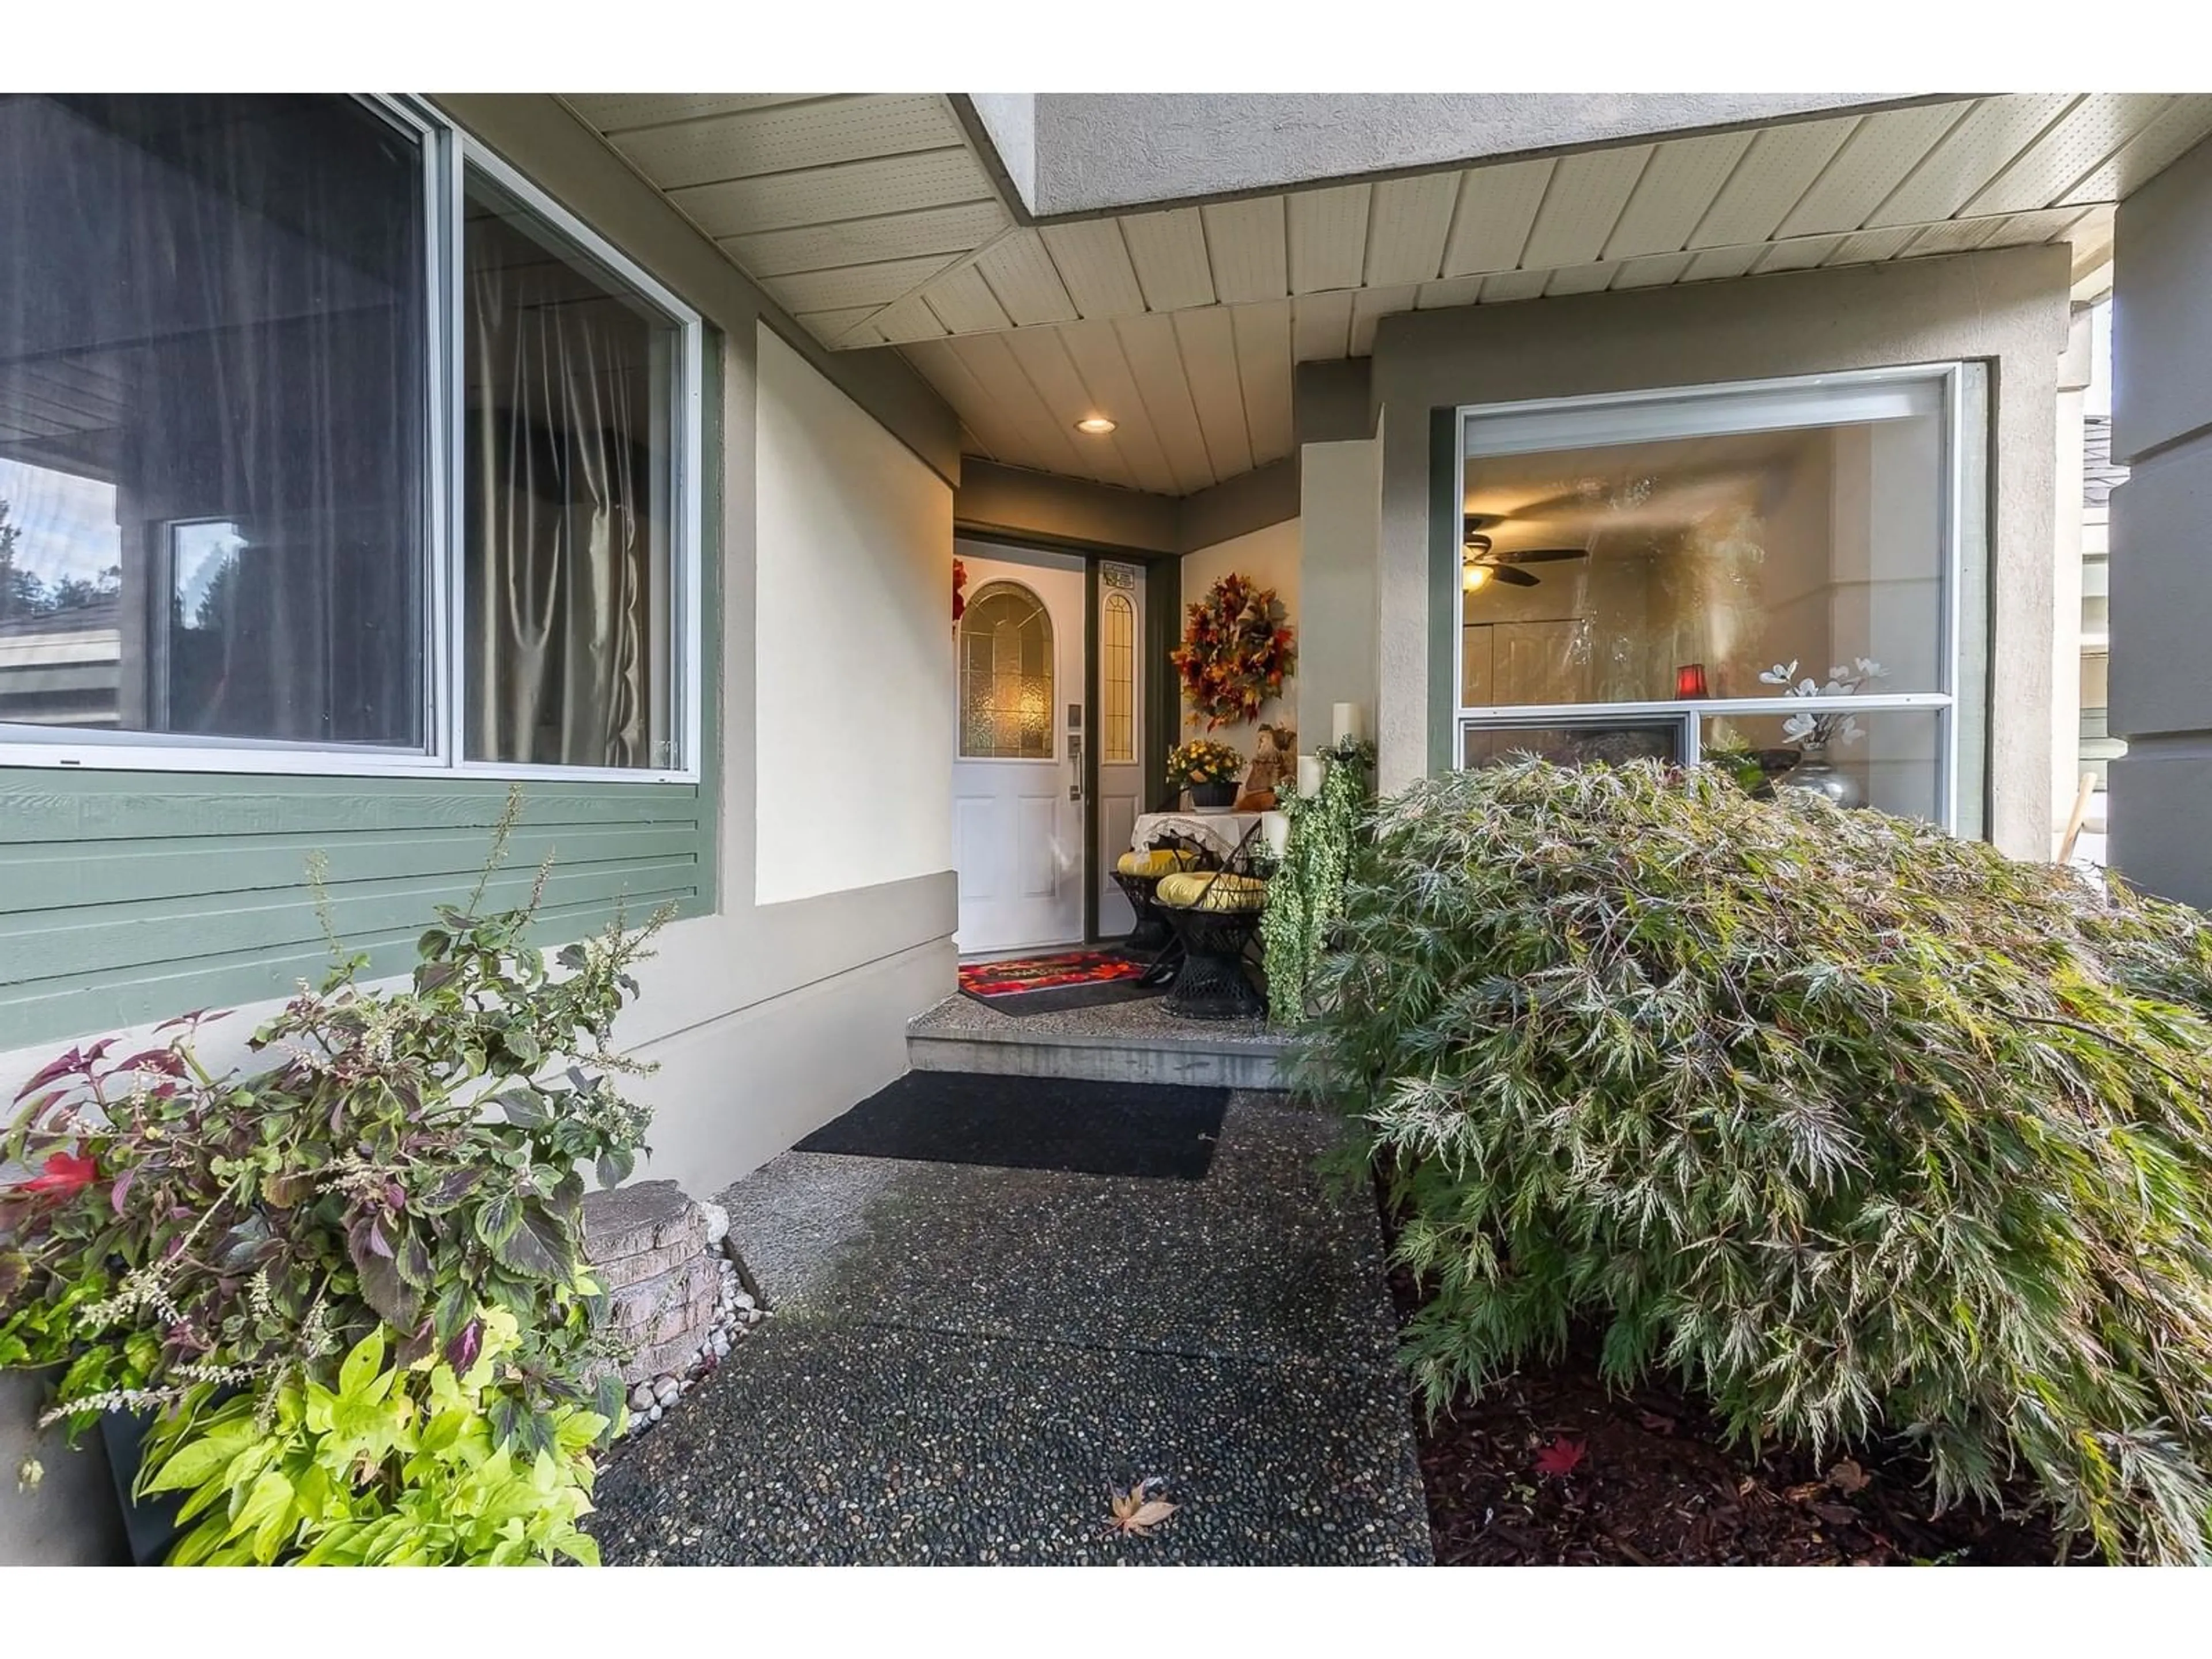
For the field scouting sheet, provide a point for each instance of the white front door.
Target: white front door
(1016, 768)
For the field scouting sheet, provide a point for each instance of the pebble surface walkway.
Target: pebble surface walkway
(966, 1361)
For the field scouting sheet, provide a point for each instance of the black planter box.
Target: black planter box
(149, 1528)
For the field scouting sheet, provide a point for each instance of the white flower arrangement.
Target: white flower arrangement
(1818, 731)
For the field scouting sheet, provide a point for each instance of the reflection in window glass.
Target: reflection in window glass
(1594, 573)
(1609, 743)
(1005, 675)
(1117, 639)
(1887, 758)
(570, 475)
(204, 599)
(61, 641)
(212, 311)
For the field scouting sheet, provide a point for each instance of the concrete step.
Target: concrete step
(1126, 1043)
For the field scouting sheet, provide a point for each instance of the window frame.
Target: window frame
(448, 154)
(1572, 422)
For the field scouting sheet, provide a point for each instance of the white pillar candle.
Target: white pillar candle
(1275, 831)
(1347, 723)
(1309, 776)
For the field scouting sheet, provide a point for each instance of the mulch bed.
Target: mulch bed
(1643, 1478)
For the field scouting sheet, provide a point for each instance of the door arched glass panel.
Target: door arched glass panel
(1005, 675)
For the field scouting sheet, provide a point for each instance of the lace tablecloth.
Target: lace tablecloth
(1220, 833)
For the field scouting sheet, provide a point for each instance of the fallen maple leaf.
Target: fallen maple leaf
(1848, 1477)
(1134, 1514)
(1559, 1457)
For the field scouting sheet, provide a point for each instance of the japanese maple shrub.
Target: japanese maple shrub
(345, 1278)
(1860, 1129)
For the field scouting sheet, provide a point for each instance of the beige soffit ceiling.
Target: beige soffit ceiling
(836, 203)
(873, 221)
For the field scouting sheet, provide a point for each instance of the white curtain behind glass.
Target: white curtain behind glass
(565, 594)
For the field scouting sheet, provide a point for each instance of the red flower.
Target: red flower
(65, 1176)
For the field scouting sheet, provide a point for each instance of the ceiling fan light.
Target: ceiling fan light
(1472, 577)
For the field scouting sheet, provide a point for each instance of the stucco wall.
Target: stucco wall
(1072, 152)
(2007, 308)
(1270, 558)
(2161, 564)
(1338, 523)
(853, 664)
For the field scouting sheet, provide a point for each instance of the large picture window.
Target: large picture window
(1774, 568)
(327, 443)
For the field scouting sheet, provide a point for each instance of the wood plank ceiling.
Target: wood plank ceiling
(871, 219)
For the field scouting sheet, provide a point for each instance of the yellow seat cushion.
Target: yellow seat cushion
(1211, 890)
(1159, 861)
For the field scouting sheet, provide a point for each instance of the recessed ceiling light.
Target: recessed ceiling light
(1095, 423)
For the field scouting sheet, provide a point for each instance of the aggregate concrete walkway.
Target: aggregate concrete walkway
(965, 1361)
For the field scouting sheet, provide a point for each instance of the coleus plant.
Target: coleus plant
(406, 1160)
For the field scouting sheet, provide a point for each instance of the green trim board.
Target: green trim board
(1163, 686)
(1092, 723)
(1446, 495)
(131, 897)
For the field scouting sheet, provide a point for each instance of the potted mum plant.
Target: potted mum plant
(1209, 770)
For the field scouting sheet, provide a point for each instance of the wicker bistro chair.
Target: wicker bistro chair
(1139, 876)
(1216, 916)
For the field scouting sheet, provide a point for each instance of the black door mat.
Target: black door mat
(1162, 1131)
(1066, 999)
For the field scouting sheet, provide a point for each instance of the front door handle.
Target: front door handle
(1075, 759)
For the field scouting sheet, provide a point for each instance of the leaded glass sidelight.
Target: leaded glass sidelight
(1005, 675)
(1117, 639)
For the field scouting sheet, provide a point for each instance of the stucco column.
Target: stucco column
(2066, 580)
(1340, 522)
(2161, 530)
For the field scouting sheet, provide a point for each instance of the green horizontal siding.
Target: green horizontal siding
(130, 897)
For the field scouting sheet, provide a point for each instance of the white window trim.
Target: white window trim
(1570, 423)
(448, 153)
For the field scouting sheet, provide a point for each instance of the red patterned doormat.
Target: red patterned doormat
(1055, 981)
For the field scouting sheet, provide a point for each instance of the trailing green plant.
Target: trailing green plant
(390, 1466)
(1305, 890)
(406, 1160)
(1860, 1129)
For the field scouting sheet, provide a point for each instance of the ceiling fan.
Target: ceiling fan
(1480, 564)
